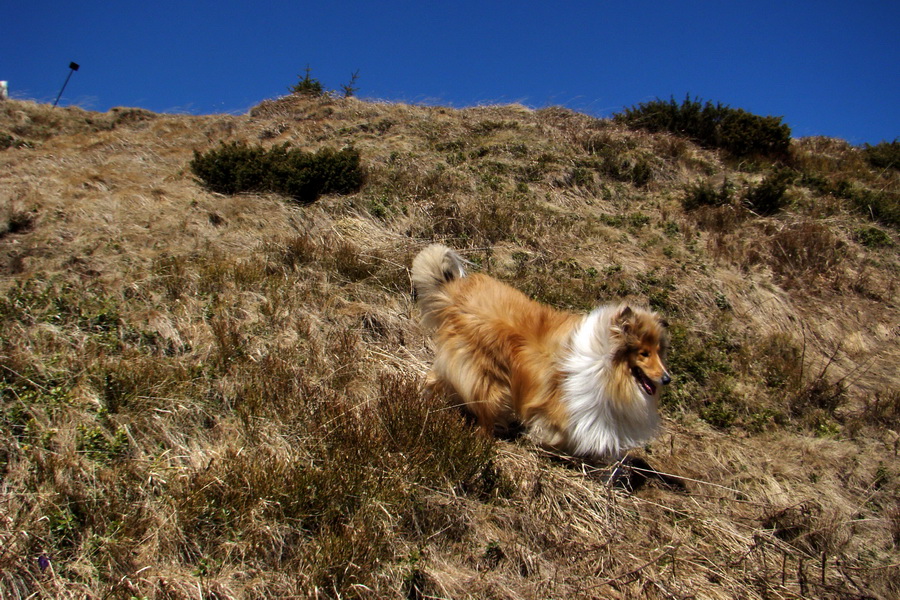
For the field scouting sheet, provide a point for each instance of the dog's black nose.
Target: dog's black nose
(666, 379)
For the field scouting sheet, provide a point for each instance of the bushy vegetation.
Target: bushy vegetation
(875, 202)
(236, 167)
(741, 133)
(884, 155)
(882, 206)
(872, 237)
(768, 197)
(309, 480)
(308, 86)
(706, 193)
(764, 198)
(618, 160)
(311, 87)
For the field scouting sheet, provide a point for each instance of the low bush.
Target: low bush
(705, 193)
(882, 206)
(340, 501)
(872, 237)
(885, 155)
(236, 167)
(565, 284)
(735, 130)
(768, 197)
(702, 366)
(618, 160)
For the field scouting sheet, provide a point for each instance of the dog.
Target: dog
(584, 385)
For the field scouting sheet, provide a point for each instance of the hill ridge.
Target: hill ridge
(224, 391)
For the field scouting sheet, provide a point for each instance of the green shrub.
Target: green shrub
(582, 177)
(704, 193)
(872, 237)
(882, 206)
(701, 364)
(617, 159)
(234, 168)
(768, 198)
(718, 414)
(712, 125)
(885, 155)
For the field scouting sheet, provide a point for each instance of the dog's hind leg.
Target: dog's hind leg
(485, 397)
(491, 406)
(438, 388)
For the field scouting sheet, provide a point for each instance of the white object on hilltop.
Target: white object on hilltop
(4, 90)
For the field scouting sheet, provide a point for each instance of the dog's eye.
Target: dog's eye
(645, 354)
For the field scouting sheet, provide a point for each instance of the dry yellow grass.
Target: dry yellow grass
(219, 397)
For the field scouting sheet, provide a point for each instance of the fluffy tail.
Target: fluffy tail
(431, 269)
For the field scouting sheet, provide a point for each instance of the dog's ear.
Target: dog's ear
(623, 319)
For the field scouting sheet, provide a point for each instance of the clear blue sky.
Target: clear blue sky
(829, 68)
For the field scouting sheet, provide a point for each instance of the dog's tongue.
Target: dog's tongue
(644, 381)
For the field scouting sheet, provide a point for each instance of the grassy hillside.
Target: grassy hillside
(220, 396)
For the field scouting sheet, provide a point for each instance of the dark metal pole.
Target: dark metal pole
(72, 68)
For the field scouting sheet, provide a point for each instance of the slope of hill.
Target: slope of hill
(220, 396)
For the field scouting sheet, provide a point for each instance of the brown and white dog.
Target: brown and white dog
(587, 385)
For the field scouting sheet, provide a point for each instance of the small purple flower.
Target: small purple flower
(43, 562)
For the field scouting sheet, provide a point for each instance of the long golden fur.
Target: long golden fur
(587, 385)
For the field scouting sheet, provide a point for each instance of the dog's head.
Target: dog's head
(642, 341)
